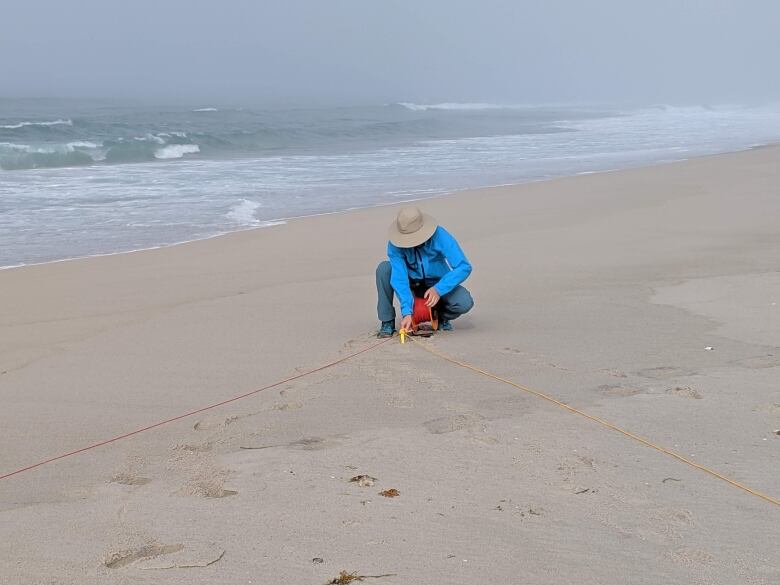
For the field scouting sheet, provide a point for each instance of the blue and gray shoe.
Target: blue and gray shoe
(445, 325)
(386, 329)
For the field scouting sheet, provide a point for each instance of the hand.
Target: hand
(406, 323)
(432, 297)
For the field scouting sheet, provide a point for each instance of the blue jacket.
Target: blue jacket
(438, 261)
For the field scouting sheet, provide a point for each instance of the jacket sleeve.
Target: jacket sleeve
(461, 267)
(399, 279)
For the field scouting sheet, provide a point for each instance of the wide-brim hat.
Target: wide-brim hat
(412, 227)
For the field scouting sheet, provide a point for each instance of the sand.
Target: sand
(602, 290)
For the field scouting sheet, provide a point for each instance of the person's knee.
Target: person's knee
(460, 303)
(466, 303)
(383, 269)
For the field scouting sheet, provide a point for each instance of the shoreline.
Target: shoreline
(446, 193)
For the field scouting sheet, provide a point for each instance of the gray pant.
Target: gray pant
(451, 306)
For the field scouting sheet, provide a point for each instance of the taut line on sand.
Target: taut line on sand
(194, 412)
(440, 355)
(595, 419)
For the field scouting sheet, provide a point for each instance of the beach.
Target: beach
(647, 297)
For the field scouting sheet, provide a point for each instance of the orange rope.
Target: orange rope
(599, 421)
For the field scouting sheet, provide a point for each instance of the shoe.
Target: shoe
(445, 325)
(386, 329)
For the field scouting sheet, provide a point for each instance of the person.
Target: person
(424, 260)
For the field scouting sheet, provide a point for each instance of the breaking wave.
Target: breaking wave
(243, 213)
(77, 153)
(176, 151)
(25, 124)
(15, 157)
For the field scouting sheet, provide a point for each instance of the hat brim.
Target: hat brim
(414, 239)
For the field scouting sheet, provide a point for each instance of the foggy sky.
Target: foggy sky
(369, 51)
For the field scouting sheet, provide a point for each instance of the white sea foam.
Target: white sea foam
(35, 149)
(176, 151)
(49, 148)
(12, 146)
(206, 110)
(23, 124)
(82, 144)
(150, 138)
(243, 213)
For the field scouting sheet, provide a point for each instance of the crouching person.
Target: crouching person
(424, 260)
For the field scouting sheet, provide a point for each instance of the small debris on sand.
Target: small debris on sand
(391, 493)
(364, 480)
(344, 578)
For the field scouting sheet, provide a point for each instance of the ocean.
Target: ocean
(86, 178)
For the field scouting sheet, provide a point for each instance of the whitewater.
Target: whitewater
(88, 178)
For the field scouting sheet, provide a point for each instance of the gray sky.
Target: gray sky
(364, 51)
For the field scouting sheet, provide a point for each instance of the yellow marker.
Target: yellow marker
(402, 333)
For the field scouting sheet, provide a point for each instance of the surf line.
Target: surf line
(600, 421)
(194, 412)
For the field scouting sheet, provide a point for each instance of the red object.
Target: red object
(421, 313)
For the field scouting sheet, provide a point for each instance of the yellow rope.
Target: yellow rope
(596, 419)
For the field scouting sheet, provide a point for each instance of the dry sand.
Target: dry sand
(602, 290)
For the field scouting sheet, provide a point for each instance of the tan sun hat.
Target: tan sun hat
(412, 227)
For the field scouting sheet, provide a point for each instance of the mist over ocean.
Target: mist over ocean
(84, 178)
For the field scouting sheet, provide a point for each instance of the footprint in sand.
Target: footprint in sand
(194, 448)
(208, 487)
(618, 390)
(450, 424)
(483, 438)
(316, 443)
(304, 444)
(130, 474)
(771, 408)
(149, 551)
(684, 392)
(124, 478)
(760, 362)
(615, 373)
(284, 406)
(664, 372)
(670, 523)
(514, 350)
(537, 360)
(400, 401)
(211, 423)
(204, 478)
(691, 557)
(430, 382)
(569, 467)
